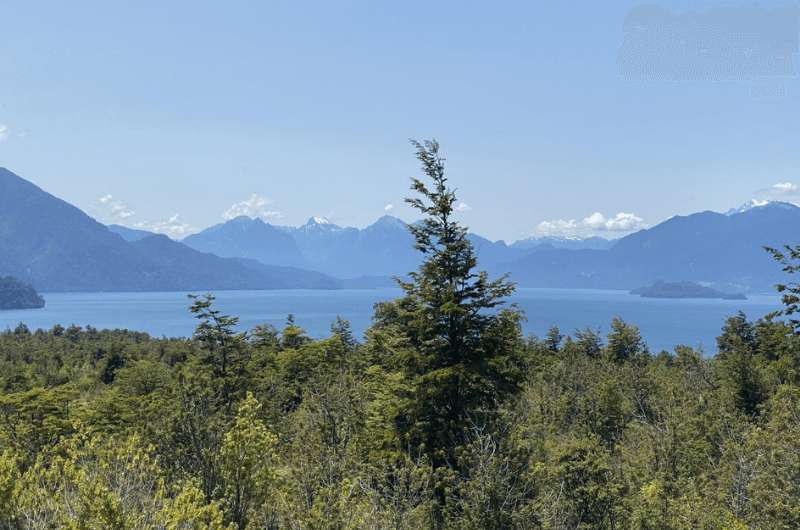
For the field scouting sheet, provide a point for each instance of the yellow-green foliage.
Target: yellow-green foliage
(313, 438)
(445, 416)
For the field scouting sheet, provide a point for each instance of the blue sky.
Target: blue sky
(139, 112)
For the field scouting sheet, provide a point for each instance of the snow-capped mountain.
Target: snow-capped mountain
(758, 203)
(244, 237)
(383, 248)
(749, 205)
(566, 242)
(703, 247)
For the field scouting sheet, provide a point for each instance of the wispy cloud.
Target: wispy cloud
(4, 132)
(590, 225)
(779, 190)
(787, 188)
(388, 208)
(463, 207)
(116, 209)
(255, 206)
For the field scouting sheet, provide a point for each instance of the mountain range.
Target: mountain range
(384, 248)
(725, 250)
(54, 246)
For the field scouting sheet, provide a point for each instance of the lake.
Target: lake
(663, 323)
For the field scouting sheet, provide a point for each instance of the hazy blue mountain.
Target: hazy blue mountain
(723, 250)
(130, 234)
(384, 248)
(368, 256)
(569, 243)
(184, 268)
(54, 246)
(244, 237)
(491, 253)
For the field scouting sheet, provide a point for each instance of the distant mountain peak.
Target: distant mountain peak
(749, 205)
(242, 219)
(389, 221)
(251, 238)
(245, 221)
(753, 204)
(318, 223)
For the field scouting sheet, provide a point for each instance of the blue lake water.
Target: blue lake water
(663, 323)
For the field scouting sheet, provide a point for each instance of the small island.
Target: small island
(684, 290)
(17, 295)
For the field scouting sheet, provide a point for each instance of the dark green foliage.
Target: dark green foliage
(553, 339)
(597, 436)
(464, 358)
(789, 258)
(443, 417)
(223, 350)
(624, 342)
(112, 365)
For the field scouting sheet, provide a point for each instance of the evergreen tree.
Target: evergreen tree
(224, 349)
(553, 338)
(293, 336)
(789, 257)
(739, 365)
(464, 356)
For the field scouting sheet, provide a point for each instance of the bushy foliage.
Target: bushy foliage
(590, 440)
(442, 416)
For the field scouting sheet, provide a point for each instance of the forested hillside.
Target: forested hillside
(442, 416)
(17, 295)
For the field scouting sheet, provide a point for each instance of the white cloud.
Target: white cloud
(784, 188)
(388, 208)
(173, 227)
(116, 209)
(463, 207)
(625, 222)
(594, 223)
(254, 207)
(779, 190)
(3, 132)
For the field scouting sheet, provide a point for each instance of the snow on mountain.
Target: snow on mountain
(749, 205)
(756, 203)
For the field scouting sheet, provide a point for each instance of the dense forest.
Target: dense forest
(443, 416)
(17, 295)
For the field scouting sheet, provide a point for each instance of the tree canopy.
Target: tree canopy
(441, 416)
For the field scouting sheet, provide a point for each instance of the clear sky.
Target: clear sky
(138, 111)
